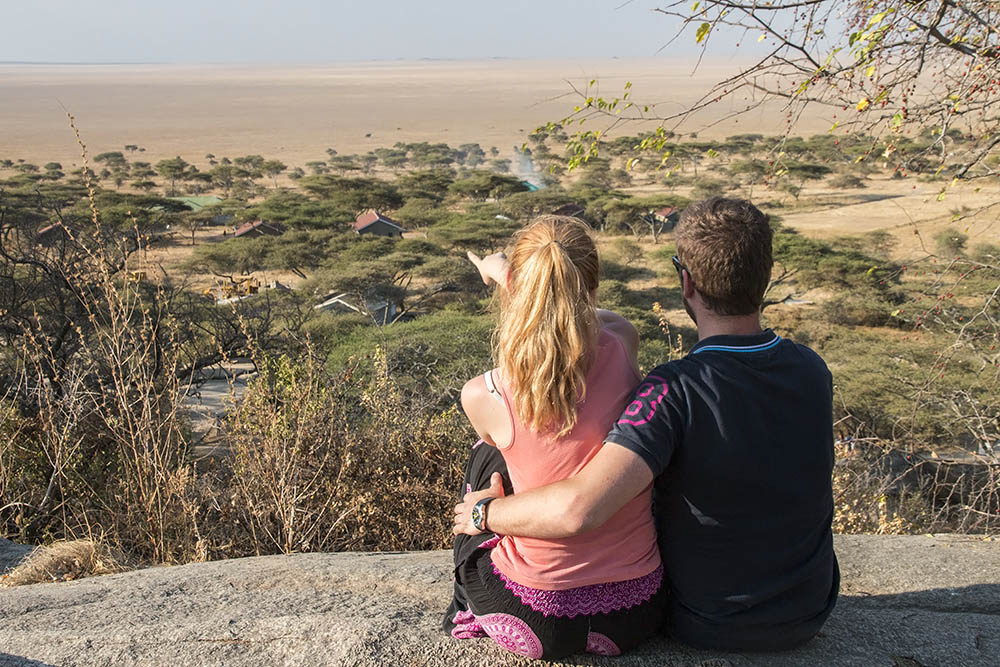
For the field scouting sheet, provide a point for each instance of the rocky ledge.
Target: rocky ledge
(905, 602)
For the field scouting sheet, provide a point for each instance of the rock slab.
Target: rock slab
(906, 601)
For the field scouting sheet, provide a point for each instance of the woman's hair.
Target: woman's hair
(548, 325)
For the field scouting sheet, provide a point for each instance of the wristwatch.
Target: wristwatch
(479, 514)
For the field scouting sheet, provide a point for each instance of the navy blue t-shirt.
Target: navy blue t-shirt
(739, 435)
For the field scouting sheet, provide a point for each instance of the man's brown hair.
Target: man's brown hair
(725, 244)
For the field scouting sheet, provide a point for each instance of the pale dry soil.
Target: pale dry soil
(294, 113)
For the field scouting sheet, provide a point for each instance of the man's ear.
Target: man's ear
(687, 285)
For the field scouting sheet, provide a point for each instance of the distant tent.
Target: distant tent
(377, 224)
(198, 203)
(668, 213)
(258, 228)
(381, 312)
(663, 219)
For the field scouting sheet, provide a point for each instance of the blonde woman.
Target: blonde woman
(565, 371)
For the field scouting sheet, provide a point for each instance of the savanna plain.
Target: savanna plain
(237, 313)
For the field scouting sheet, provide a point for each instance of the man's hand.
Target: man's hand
(463, 510)
(493, 268)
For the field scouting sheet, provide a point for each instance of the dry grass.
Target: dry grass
(882, 490)
(65, 561)
(333, 463)
(100, 434)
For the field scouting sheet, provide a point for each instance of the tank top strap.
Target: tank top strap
(492, 387)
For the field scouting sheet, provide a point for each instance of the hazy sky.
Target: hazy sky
(306, 31)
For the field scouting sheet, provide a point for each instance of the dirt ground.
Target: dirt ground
(909, 209)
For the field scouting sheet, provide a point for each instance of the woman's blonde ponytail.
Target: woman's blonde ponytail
(548, 322)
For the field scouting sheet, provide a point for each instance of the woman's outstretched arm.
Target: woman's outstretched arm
(493, 269)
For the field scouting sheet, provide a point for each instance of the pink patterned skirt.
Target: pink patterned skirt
(602, 619)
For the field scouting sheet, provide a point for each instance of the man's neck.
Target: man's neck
(720, 325)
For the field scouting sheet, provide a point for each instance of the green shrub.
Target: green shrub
(847, 182)
(434, 354)
(868, 308)
(623, 251)
(710, 187)
(950, 242)
(986, 253)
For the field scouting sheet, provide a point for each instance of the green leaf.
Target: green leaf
(702, 32)
(878, 18)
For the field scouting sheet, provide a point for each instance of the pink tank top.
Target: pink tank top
(625, 546)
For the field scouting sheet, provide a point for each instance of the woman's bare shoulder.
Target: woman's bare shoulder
(484, 412)
(474, 391)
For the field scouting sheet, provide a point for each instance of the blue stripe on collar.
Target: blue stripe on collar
(740, 348)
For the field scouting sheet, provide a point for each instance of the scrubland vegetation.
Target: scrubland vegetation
(116, 296)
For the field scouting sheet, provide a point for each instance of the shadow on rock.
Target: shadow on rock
(7, 660)
(975, 599)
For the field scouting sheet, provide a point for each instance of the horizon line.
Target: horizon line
(319, 62)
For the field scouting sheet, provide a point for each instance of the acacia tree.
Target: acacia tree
(272, 168)
(173, 169)
(223, 176)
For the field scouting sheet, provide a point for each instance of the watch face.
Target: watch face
(479, 514)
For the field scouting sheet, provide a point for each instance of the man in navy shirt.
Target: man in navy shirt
(738, 436)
